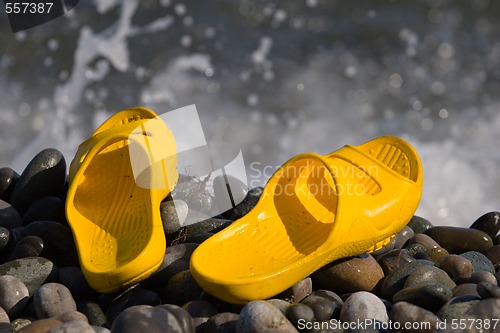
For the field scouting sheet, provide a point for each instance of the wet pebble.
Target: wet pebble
(394, 259)
(182, 288)
(44, 176)
(363, 305)
(238, 189)
(429, 275)
(297, 292)
(457, 267)
(13, 295)
(419, 224)
(53, 299)
(458, 240)
(488, 290)
(479, 261)
(173, 215)
(8, 179)
(465, 289)
(415, 249)
(32, 271)
(246, 205)
(9, 217)
(456, 307)
(360, 273)
(404, 312)
(489, 223)
(46, 209)
(29, 246)
(482, 276)
(396, 280)
(424, 240)
(224, 322)
(403, 236)
(428, 296)
(258, 316)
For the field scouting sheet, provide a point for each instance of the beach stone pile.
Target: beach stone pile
(427, 279)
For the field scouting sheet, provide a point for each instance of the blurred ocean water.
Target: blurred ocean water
(276, 78)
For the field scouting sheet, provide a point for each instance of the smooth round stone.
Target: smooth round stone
(458, 240)
(325, 304)
(29, 246)
(32, 271)
(465, 289)
(44, 176)
(456, 266)
(53, 299)
(419, 224)
(404, 312)
(360, 273)
(482, 276)
(46, 209)
(182, 288)
(147, 319)
(92, 312)
(72, 315)
(184, 319)
(224, 322)
(176, 260)
(238, 190)
(173, 214)
(72, 277)
(59, 245)
(436, 254)
(479, 262)
(132, 296)
(395, 281)
(493, 254)
(485, 309)
(258, 316)
(4, 238)
(489, 223)
(414, 249)
(488, 290)
(456, 307)
(200, 308)
(99, 329)
(4, 317)
(42, 325)
(297, 292)
(363, 305)
(428, 296)
(73, 326)
(9, 216)
(429, 275)
(394, 259)
(280, 304)
(13, 295)
(297, 311)
(403, 236)
(246, 205)
(8, 179)
(424, 240)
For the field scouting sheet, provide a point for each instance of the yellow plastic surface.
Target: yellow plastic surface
(314, 209)
(116, 223)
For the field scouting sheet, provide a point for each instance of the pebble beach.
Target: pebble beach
(429, 278)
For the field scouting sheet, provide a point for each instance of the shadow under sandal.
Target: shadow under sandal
(117, 180)
(314, 209)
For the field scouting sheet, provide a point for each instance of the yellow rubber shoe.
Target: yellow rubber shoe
(117, 180)
(314, 209)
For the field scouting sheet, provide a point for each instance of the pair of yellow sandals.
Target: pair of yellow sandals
(313, 210)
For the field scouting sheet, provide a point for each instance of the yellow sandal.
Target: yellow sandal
(117, 180)
(314, 209)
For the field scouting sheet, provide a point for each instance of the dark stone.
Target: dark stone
(429, 275)
(59, 245)
(246, 205)
(200, 238)
(4, 238)
(482, 276)
(394, 259)
(297, 311)
(46, 209)
(428, 296)
(404, 312)
(32, 271)
(488, 290)
(149, 319)
(323, 305)
(182, 288)
(72, 277)
(211, 225)
(424, 240)
(9, 217)
(200, 308)
(194, 193)
(297, 292)
(457, 240)
(224, 322)
(486, 309)
(44, 176)
(465, 289)
(479, 262)
(8, 180)
(414, 249)
(457, 267)
(93, 312)
(403, 236)
(133, 296)
(237, 188)
(183, 318)
(456, 307)
(29, 246)
(493, 254)
(419, 224)
(489, 223)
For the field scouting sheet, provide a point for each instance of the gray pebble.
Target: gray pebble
(479, 262)
(486, 309)
(428, 296)
(4, 317)
(183, 318)
(92, 312)
(209, 225)
(146, 319)
(73, 326)
(297, 311)
(324, 305)
(482, 276)
(224, 322)
(363, 305)
(258, 316)
(8, 179)
(404, 312)
(44, 176)
(465, 289)
(414, 249)
(394, 259)
(72, 277)
(13, 295)
(279, 303)
(427, 275)
(396, 280)
(297, 292)
(53, 299)
(488, 290)
(9, 217)
(419, 224)
(6, 328)
(173, 215)
(72, 315)
(456, 307)
(32, 271)
(200, 308)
